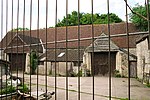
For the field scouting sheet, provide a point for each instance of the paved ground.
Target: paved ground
(101, 87)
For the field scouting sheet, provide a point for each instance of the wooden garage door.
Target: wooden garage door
(17, 61)
(101, 63)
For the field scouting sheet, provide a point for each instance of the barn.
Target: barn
(18, 45)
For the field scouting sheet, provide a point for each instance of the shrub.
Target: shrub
(116, 73)
(11, 89)
(23, 88)
(79, 73)
(148, 85)
(7, 90)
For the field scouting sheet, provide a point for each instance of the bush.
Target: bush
(116, 73)
(11, 89)
(79, 73)
(23, 88)
(7, 90)
(88, 72)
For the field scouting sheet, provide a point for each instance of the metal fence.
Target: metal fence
(70, 62)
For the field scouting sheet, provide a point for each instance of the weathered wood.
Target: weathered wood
(101, 63)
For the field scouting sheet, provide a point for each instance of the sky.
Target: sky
(99, 6)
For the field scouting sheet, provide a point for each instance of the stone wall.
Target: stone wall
(122, 63)
(61, 68)
(143, 61)
(87, 60)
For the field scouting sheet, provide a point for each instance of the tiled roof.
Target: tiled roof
(142, 38)
(101, 44)
(72, 33)
(24, 42)
(72, 54)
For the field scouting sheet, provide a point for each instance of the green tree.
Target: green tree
(19, 29)
(86, 18)
(103, 19)
(141, 23)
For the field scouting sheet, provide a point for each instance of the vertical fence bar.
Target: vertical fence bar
(6, 41)
(18, 9)
(38, 45)
(55, 50)
(24, 13)
(78, 49)
(46, 48)
(128, 49)
(93, 65)
(1, 37)
(30, 43)
(11, 39)
(66, 49)
(109, 53)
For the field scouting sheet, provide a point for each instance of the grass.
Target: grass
(124, 99)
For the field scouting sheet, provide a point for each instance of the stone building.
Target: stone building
(118, 58)
(19, 45)
(73, 58)
(143, 55)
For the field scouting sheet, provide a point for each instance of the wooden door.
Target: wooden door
(133, 69)
(17, 61)
(101, 63)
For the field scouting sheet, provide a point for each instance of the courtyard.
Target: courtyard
(101, 87)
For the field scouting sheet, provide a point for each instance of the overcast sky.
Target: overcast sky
(100, 6)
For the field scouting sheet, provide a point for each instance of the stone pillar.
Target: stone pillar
(27, 63)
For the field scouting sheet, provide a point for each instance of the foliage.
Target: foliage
(73, 74)
(86, 18)
(116, 73)
(23, 88)
(7, 90)
(19, 29)
(88, 72)
(79, 73)
(11, 89)
(148, 85)
(141, 23)
(33, 61)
